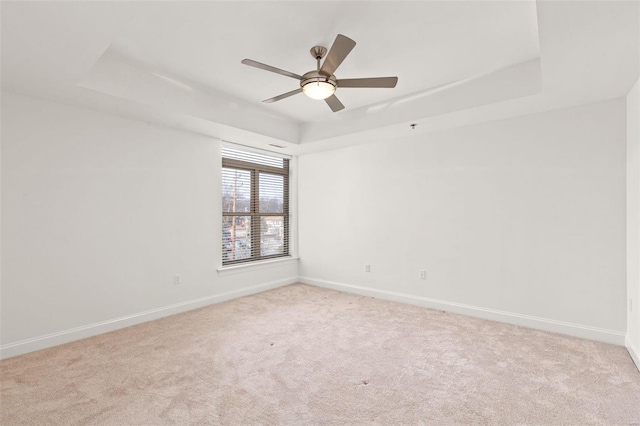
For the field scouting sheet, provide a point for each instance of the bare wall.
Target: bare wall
(520, 220)
(98, 214)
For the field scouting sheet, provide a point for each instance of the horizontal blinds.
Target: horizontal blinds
(236, 190)
(252, 157)
(255, 206)
(271, 190)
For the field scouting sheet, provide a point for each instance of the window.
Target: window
(255, 206)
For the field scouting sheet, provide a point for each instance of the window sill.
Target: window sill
(254, 266)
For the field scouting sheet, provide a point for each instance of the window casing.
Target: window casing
(255, 206)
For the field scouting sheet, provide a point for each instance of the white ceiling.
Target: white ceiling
(425, 44)
(178, 63)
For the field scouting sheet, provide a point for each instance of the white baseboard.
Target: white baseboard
(54, 339)
(66, 336)
(635, 353)
(571, 329)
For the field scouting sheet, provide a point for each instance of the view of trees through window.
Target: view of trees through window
(255, 211)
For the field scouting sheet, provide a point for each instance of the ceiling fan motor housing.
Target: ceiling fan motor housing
(317, 77)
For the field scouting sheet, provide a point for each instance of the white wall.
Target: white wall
(520, 220)
(633, 222)
(98, 214)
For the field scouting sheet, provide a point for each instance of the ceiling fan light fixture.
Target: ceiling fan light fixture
(317, 85)
(318, 89)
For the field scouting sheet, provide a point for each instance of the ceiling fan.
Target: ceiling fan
(321, 83)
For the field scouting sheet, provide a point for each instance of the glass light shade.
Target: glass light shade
(318, 89)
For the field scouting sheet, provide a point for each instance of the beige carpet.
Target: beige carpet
(305, 355)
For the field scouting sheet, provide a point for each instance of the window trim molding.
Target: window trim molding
(237, 268)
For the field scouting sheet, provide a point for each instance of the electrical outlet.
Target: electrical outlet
(422, 274)
(367, 268)
(176, 279)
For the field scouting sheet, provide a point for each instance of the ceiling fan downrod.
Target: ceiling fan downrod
(318, 53)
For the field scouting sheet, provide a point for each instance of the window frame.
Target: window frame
(255, 169)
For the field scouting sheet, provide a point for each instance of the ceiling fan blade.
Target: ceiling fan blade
(266, 67)
(388, 82)
(341, 47)
(334, 103)
(284, 95)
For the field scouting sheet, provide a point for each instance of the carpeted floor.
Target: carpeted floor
(306, 355)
